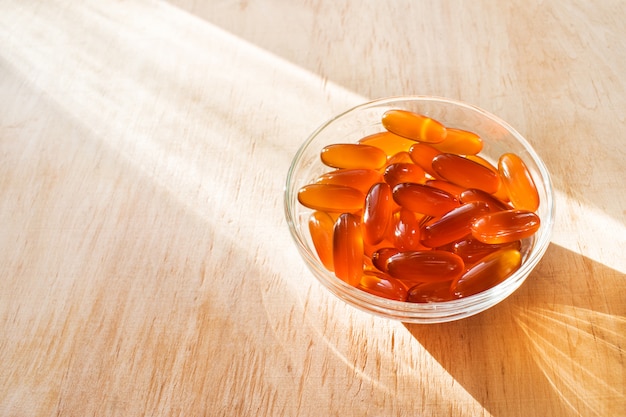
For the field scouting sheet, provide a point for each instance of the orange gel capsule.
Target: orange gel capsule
(424, 199)
(414, 126)
(330, 197)
(472, 250)
(381, 256)
(488, 272)
(352, 155)
(425, 266)
(453, 189)
(423, 155)
(377, 212)
(399, 158)
(405, 230)
(460, 142)
(501, 193)
(453, 225)
(388, 142)
(383, 285)
(430, 292)
(403, 172)
(493, 203)
(465, 172)
(321, 227)
(505, 226)
(518, 182)
(361, 179)
(348, 249)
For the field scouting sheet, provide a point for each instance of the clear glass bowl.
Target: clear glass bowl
(498, 137)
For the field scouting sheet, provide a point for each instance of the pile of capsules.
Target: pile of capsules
(413, 213)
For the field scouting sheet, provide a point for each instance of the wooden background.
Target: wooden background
(145, 263)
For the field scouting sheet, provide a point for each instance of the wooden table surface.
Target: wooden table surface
(146, 267)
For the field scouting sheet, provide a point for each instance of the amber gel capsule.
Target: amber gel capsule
(493, 203)
(453, 225)
(424, 199)
(348, 249)
(383, 285)
(505, 226)
(404, 232)
(388, 142)
(465, 172)
(518, 182)
(403, 172)
(430, 292)
(352, 155)
(377, 212)
(423, 155)
(321, 227)
(472, 250)
(381, 256)
(399, 158)
(425, 266)
(361, 179)
(331, 197)
(413, 126)
(444, 185)
(460, 142)
(488, 272)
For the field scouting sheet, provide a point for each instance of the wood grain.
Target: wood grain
(145, 262)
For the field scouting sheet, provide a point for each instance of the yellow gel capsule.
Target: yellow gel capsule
(414, 126)
(353, 155)
(518, 182)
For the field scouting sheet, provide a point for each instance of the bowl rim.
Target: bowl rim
(431, 312)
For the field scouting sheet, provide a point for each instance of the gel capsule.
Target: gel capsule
(330, 197)
(425, 266)
(404, 232)
(381, 256)
(321, 227)
(444, 185)
(361, 179)
(352, 155)
(403, 172)
(348, 249)
(518, 182)
(430, 292)
(460, 142)
(377, 212)
(472, 250)
(423, 155)
(383, 285)
(413, 126)
(399, 158)
(388, 142)
(424, 199)
(493, 203)
(505, 226)
(501, 193)
(488, 272)
(453, 225)
(465, 172)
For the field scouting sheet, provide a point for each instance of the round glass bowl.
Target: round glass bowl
(498, 138)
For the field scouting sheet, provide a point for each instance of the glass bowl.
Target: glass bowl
(363, 120)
